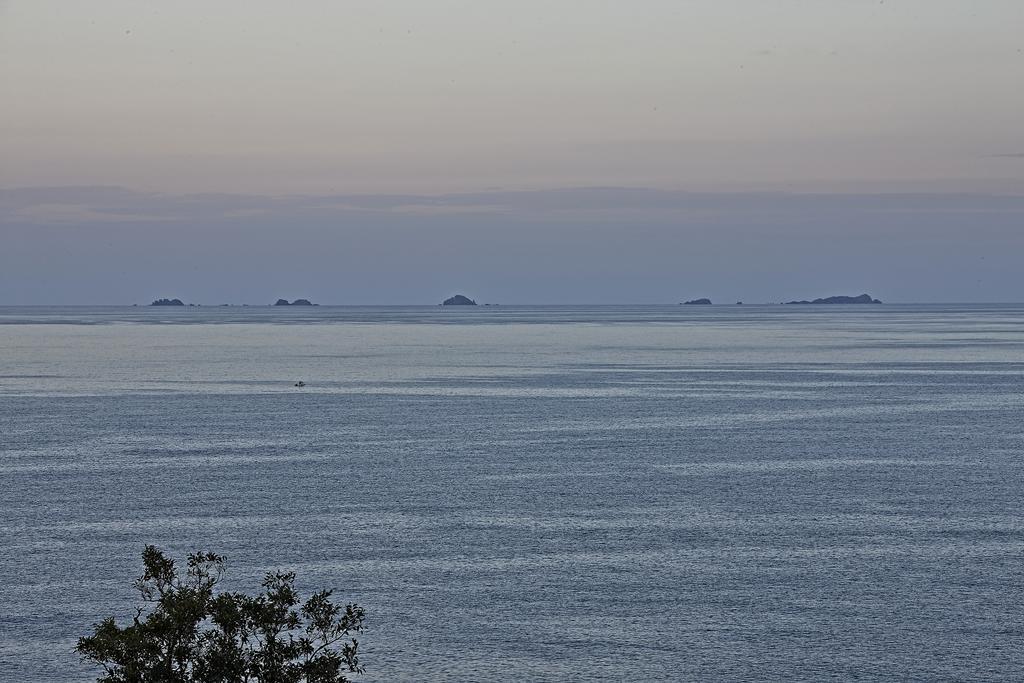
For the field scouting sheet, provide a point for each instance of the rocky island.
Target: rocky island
(862, 299)
(168, 302)
(458, 300)
(297, 302)
(697, 302)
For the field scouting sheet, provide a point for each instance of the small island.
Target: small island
(862, 299)
(697, 302)
(297, 302)
(168, 302)
(458, 300)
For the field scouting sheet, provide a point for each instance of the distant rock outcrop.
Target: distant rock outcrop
(297, 302)
(697, 302)
(168, 302)
(862, 299)
(458, 300)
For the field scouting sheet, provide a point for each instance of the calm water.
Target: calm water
(542, 494)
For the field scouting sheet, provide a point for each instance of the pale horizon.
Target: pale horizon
(360, 97)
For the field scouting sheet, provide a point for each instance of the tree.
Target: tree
(187, 631)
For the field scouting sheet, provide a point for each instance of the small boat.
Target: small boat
(300, 384)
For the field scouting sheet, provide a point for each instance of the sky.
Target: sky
(572, 151)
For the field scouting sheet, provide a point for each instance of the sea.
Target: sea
(534, 493)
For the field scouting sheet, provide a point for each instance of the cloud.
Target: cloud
(106, 205)
(64, 214)
(589, 244)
